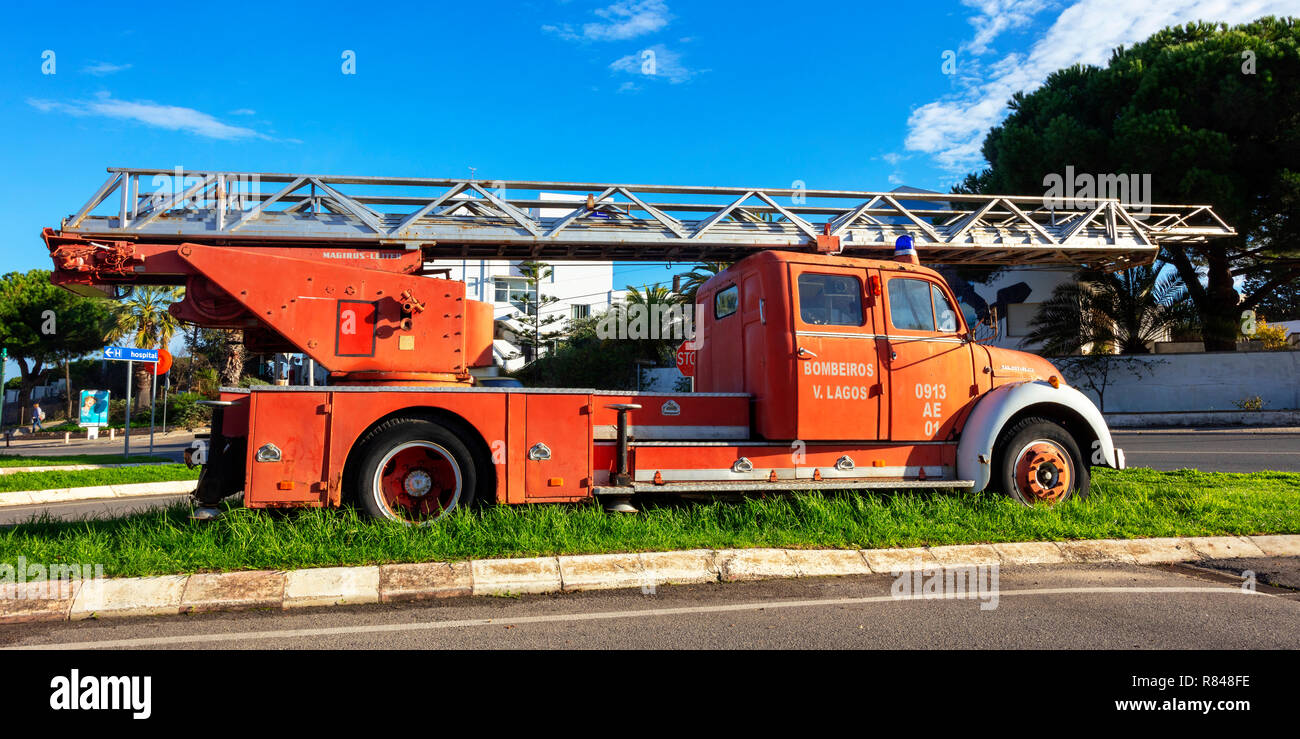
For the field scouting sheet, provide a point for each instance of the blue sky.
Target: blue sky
(847, 95)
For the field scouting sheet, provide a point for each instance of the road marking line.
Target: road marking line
(1135, 452)
(595, 616)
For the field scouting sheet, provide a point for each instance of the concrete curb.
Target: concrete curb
(96, 492)
(266, 589)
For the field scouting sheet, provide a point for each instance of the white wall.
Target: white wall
(1206, 382)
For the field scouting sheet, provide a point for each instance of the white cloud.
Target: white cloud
(996, 16)
(169, 117)
(951, 130)
(657, 61)
(99, 69)
(244, 111)
(623, 20)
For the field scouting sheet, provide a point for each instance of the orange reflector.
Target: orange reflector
(877, 463)
(284, 485)
(875, 284)
(1054, 381)
(555, 482)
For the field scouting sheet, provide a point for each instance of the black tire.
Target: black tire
(422, 447)
(1039, 462)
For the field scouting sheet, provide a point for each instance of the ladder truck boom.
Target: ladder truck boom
(517, 219)
(816, 338)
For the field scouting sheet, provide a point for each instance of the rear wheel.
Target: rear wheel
(1039, 462)
(413, 470)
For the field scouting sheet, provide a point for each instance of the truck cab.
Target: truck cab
(877, 352)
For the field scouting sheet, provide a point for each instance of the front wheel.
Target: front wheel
(413, 470)
(1039, 462)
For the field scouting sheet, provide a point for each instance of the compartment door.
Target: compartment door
(557, 446)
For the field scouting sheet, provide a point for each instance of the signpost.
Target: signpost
(4, 358)
(131, 355)
(685, 360)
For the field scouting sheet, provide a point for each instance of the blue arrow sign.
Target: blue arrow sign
(130, 353)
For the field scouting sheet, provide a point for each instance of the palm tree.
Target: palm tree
(700, 275)
(143, 319)
(657, 310)
(1122, 311)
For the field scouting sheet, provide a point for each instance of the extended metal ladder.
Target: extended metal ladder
(508, 219)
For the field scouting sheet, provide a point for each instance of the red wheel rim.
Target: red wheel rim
(1043, 472)
(418, 481)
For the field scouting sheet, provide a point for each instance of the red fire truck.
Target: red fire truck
(826, 356)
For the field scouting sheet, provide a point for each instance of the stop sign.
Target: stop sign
(686, 361)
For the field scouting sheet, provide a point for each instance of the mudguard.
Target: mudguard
(975, 449)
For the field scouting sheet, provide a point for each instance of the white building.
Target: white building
(580, 289)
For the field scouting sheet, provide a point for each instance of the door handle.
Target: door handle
(804, 353)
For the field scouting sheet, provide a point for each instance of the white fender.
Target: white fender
(975, 449)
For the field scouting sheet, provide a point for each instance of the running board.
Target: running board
(723, 486)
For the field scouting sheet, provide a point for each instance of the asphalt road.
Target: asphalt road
(171, 445)
(1070, 607)
(1212, 451)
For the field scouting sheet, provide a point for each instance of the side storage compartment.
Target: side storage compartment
(286, 449)
(557, 447)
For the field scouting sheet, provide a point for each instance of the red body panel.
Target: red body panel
(316, 430)
(806, 369)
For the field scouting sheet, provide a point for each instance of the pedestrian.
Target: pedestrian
(38, 415)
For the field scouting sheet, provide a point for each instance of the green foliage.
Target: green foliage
(216, 359)
(14, 460)
(142, 318)
(1273, 337)
(1126, 310)
(42, 324)
(583, 359)
(1129, 504)
(540, 327)
(696, 278)
(56, 479)
(183, 411)
(1186, 107)
(1252, 403)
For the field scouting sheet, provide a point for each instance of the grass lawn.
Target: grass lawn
(1130, 504)
(55, 479)
(13, 460)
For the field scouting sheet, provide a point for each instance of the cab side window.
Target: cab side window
(945, 318)
(726, 302)
(830, 300)
(909, 305)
